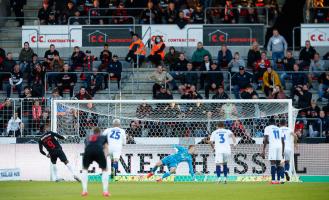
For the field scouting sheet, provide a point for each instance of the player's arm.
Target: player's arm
(265, 142)
(179, 148)
(56, 135)
(282, 141)
(41, 148)
(233, 138)
(124, 139)
(190, 165)
(212, 141)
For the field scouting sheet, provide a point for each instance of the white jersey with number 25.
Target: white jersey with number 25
(274, 136)
(116, 137)
(221, 137)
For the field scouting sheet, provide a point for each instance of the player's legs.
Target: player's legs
(219, 159)
(279, 166)
(53, 167)
(115, 163)
(155, 168)
(105, 175)
(63, 158)
(273, 170)
(86, 161)
(287, 156)
(172, 170)
(225, 169)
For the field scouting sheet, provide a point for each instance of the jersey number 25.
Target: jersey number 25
(115, 135)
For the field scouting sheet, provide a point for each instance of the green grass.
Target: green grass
(165, 191)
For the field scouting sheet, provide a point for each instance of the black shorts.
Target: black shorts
(58, 153)
(94, 154)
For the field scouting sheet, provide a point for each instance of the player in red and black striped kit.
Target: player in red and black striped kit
(55, 151)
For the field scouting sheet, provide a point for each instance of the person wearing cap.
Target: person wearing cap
(240, 81)
(270, 80)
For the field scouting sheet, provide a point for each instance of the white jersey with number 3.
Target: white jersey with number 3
(274, 136)
(116, 138)
(288, 138)
(221, 137)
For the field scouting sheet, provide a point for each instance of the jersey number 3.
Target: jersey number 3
(115, 135)
(221, 139)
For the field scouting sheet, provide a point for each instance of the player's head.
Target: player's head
(97, 131)
(191, 149)
(116, 122)
(271, 121)
(283, 122)
(220, 125)
(42, 128)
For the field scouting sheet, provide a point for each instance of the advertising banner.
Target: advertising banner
(136, 160)
(233, 35)
(10, 174)
(94, 36)
(59, 35)
(172, 35)
(318, 34)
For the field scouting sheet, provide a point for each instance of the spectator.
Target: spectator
(134, 130)
(323, 84)
(32, 67)
(235, 64)
(120, 15)
(253, 55)
(323, 122)
(316, 68)
(163, 94)
(7, 67)
(230, 14)
(288, 63)
(249, 93)
(38, 77)
(55, 94)
(25, 57)
(95, 14)
(189, 78)
(83, 94)
(198, 55)
(180, 64)
(136, 51)
(151, 13)
(88, 61)
(15, 81)
(305, 97)
(45, 118)
(306, 55)
(171, 57)
(77, 20)
(52, 19)
(36, 115)
(170, 14)
(161, 77)
(181, 21)
(115, 69)
(17, 6)
(261, 67)
(43, 13)
(220, 94)
(298, 79)
(49, 54)
(77, 58)
(143, 111)
(238, 129)
(191, 93)
(27, 94)
(15, 126)
(270, 79)
(106, 55)
(68, 12)
(313, 111)
(326, 56)
(224, 57)
(214, 79)
(66, 80)
(198, 15)
(240, 81)
(277, 93)
(277, 45)
(205, 67)
(94, 82)
(6, 111)
(56, 64)
(157, 51)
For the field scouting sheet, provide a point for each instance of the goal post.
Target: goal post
(154, 126)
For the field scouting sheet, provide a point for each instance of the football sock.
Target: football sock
(153, 170)
(218, 170)
(115, 167)
(69, 167)
(166, 175)
(54, 172)
(279, 170)
(84, 180)
(225, 169)
(105, 181)
(273, 170)
(286, 167)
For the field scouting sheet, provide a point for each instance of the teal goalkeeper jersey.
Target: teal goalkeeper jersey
(182, 156)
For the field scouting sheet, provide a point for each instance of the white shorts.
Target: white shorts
(115, 153)
(275, 154)
(222, 158)
(287, 154)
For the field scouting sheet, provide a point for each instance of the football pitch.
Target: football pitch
(165, 191)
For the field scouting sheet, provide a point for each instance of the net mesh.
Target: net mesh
(178, 122)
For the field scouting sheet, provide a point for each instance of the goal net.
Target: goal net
(154, 126)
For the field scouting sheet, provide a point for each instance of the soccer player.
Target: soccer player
(220, 143)
(49, 141)
(172, 161)
(116, 138)
(274, 137)
(289, 136)
(96, 146)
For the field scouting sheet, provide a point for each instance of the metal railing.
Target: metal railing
(313, 128)
(100, 17)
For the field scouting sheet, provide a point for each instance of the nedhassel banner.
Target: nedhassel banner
(233, 35)
(113, 35)
(10, 174)
(61, 36)
(318, 34)
(136, 160)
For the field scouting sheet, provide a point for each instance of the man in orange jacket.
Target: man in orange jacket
(136, 51)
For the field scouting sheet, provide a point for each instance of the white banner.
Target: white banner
(318, 34)
(10, 174)
(59, 35)
(172, 35)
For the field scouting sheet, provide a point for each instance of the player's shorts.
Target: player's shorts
(169, 161)
(222, 158)
(94, 154)
(115, 153)
(57, 153)
(275, 154)
(287, 154)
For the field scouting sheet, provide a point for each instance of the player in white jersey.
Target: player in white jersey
(116, 138)
(289, 137)
(220, 143)
(274, 137)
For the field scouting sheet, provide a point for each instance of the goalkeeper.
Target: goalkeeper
(172, 161)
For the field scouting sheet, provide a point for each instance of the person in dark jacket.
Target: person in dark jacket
(248, 93)
(17, 6)
(323, 84)
(288, 64)
(214, 79)
(66, 80)
(106, 55)
(181, 21)
(205, 67)
(189, 78)
(164, 94)
(224, 57)
(6, 67)
(44, 12)
(220, 94)
(25, 57)
(94, 82)
(171, 57)
(298, 79)
(115, 69)
(306, 54)
(304, 97)
(253, 55)
(176, 70)
(240, 81)
(77, 58)
(191, 94)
